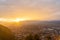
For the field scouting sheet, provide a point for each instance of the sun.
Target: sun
(19, 19)
(12, 20)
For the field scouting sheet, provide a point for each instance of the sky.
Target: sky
(30, 9)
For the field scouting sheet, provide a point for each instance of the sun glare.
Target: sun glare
(12, 20)
(18, 20)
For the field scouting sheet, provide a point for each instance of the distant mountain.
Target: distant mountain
(39, 22)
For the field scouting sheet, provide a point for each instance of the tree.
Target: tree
(36, 37)
(48, 37)
(29, 37)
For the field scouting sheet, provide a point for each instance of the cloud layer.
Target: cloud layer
(41, 9)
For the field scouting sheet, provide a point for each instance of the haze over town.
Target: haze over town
(29, 19)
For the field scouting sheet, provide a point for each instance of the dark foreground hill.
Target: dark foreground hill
(5, 33)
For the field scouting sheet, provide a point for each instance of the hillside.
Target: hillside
(5, 33)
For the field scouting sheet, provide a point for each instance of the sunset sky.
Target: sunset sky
(30, 9)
